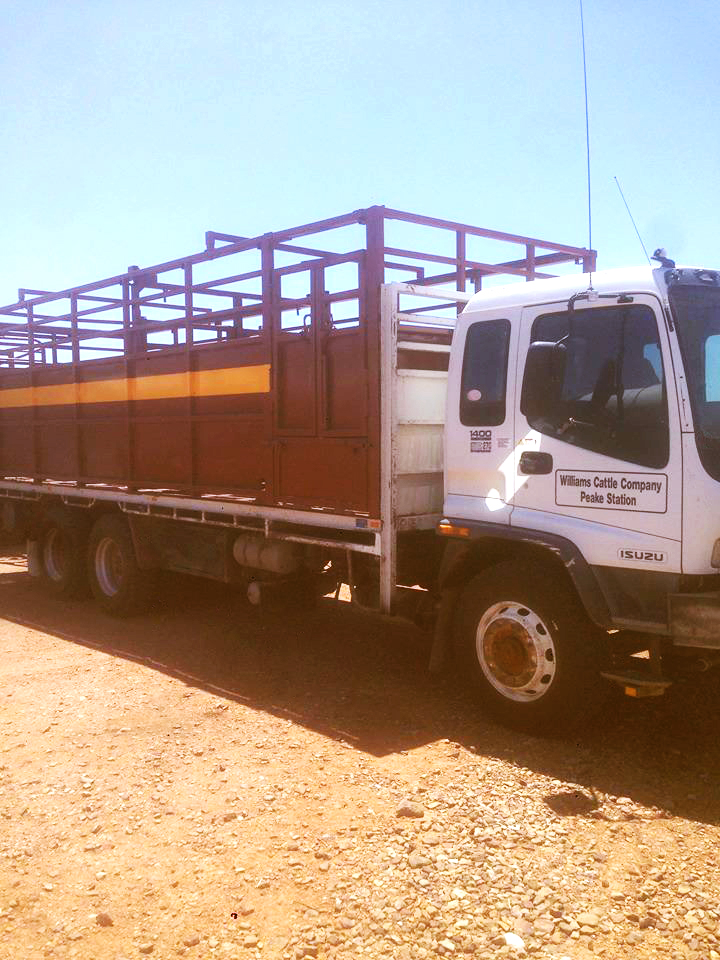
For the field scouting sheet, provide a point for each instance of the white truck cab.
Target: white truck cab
(582, 456)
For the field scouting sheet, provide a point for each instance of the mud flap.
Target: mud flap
(442, 635)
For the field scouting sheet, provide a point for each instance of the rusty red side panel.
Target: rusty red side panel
(261, 383)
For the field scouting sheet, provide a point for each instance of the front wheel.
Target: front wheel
(117, 582)
(531, 651)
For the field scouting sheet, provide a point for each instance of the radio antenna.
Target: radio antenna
(587, 134)
(632, 220)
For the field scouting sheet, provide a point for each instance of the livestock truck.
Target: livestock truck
(528, 468)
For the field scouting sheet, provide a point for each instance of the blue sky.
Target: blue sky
(128, 129)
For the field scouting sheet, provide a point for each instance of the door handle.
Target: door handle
(534, 462)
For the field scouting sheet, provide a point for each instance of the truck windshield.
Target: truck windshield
(697, 314)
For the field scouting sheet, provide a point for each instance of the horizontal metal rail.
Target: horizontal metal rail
(453, 225)
(200, 512)
(22, 489)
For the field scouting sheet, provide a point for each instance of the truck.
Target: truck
(412, 409)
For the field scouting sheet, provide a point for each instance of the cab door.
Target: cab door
(479, 417)
(602, 464)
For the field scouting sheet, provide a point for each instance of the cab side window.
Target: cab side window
(484, 374)
(613, 400)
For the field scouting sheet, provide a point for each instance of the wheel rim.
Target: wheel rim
(516, 652)
(109, 566)
(55, 556)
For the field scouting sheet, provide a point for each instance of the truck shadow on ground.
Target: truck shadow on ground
(355, 677)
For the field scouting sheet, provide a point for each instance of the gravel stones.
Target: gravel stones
(516, 943)
(589, 919)
(394, 846)
(410, 808)
(417, 860)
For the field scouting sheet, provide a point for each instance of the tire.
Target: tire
(118, 584)
(13, 521)
(63, 545)
(530, 650)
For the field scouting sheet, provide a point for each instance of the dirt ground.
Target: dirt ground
(211, 780)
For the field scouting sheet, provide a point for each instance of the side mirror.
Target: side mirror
(543, 380)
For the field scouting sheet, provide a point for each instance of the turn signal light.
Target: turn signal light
(447, 529)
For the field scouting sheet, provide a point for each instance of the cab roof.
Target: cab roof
(643, 279)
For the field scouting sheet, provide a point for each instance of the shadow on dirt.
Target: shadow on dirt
(361, 679)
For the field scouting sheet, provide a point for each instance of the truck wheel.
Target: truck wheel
(118, 584)
(531, 651)
(63, 543)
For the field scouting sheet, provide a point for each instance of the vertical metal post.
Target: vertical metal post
(31, 336)
(268, 283)
(128, 351)
(267, 261)
(374, 276)
(529, 261)
(139, 338)
(126, 319)
(388, 536)
(460, 257)
(237, 327)
(77, 412)
(187, 275)
(189, 359)
(319, 333)
(31, 359)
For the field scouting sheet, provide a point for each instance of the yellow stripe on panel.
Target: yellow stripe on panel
(216, 383)
(98, 391)
(162, 386)
(23, 396)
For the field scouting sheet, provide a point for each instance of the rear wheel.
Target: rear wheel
(117, 582)
(63, 543)
(531, 651)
